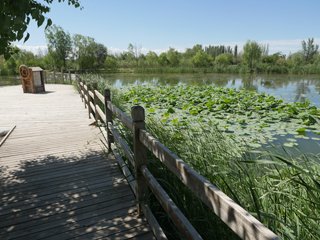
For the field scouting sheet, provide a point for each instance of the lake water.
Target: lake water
(289, 87)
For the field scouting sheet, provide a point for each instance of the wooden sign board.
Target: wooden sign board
(32, 79)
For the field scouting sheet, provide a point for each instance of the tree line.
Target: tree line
(82, 52)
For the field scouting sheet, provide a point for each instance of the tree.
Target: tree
(84, 51)
(100, 54)
(251, 52)
(152, 58)
(163, 60)
(225, 59)
(173, 57)
(15, 17)
(110, 62)
(59, 43)
(309, 50)
(235, 51)
(201, 59)
(272, 59)
(298, 58)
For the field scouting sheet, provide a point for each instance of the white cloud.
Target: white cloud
(34, 49)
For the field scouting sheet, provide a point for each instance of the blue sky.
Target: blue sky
(158, 25)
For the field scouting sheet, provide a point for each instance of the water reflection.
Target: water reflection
(290, 87)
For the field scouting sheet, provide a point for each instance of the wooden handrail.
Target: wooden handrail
(238, 219)
(122, 143)
(99, 95)
(121, 115)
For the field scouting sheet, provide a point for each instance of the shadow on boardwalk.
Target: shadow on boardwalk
(69, 196)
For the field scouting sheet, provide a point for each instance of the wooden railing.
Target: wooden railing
(48, 77)
(10, 82)
(239, 220)
(57, 77)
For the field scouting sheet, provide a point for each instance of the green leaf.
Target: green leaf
(150, 110)
(26, 38)
(170, 110)
(241, 121)
(166, 114)
(49, 23)
(40, 20)
(186, 106)
(301, 130)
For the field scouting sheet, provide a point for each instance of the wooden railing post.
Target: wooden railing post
(108, 112)
(79, 88)
(70, 77)
(89, 99)
(140, 155)
(54, 77)
(95, 100)
(84, 93)
(45, 77)
(62, 76)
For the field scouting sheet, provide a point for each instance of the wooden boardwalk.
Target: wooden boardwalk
(56, 181)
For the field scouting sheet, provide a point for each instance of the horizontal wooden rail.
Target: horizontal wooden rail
(121, 115)
(99, 95)
(122, 143)
(92, 107)
(101, 114)
(10, 82)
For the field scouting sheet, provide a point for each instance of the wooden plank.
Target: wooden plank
(155, 226)
(91, 94)
(63, 230)
(121, 115)
(55, 181)
(177, 217)
(124, 168)
(120, 232)
(40, 211)
(101, 114)
(239, 220)
(92, 106)
(6, 136)
(81, 213)
(122, 143)
(82, 193)
(39, 201)
(99, 95)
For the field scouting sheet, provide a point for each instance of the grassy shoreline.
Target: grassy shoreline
(218, 69)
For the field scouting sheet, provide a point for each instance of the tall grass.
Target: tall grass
(278, 188)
